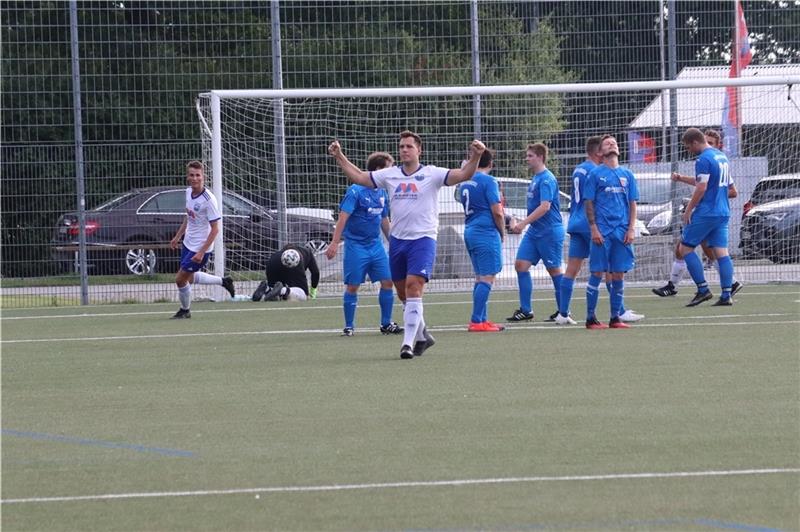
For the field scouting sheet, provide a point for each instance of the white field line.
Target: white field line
(336, 306)
(457, 327)
(395, 485)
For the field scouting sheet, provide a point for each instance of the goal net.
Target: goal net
(266, 154)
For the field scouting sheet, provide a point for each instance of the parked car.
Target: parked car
(773, 188)
(654, 207)
(131, 232)
(772, 230)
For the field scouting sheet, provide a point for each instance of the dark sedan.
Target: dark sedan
(131, 233)
(772, 230)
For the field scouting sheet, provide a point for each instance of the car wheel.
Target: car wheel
(141, 261)
(317, 244)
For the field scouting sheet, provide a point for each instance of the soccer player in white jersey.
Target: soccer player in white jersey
(413, 198)
(198, 230)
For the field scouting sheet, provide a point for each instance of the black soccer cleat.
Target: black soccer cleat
(391, 328)
(406, 353)
(423, 345)
(227, 284)
(348, 331)
(182, 314)
(274, 293)
(260, 291)
(520, 315)
(699, 297)
(552, 316)
(666, 290)
(723, 302)
(735, 287)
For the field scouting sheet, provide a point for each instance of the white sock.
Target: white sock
(206, 278)
(678, 267)
(185, 296)
(412, 318)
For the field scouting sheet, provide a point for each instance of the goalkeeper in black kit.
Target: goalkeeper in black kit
(286, 275)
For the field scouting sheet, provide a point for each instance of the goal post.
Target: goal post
(268, 149)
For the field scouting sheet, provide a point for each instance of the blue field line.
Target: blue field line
(98, 443)
(716, 523)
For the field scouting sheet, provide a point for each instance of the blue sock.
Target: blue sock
(386, 300)
(610, 288)
(617, 293)
(592, 293)
(557, 287)
(525, 290)
(695, 267)
(567, 285)
(350, 302)
(480, 301)
(725, 275)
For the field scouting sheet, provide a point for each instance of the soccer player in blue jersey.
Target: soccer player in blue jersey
(706, 217)
(413, 194)
(363, 215)
(544, 239)
(610, 203)
(195, 236)
(483, 235)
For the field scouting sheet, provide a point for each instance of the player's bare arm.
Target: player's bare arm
(537, 213)
(458, 175)
(353, 172)
(176, 240)
(597, 236)
(630, 234)
(337, 235)
(499, 219)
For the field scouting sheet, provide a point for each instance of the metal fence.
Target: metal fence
(141, 64)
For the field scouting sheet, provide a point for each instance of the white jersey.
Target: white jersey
(200, 211)
(413, 199)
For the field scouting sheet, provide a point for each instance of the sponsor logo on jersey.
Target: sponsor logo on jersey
(406, 188)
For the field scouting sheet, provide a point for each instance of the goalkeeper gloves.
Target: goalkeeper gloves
(312, 292)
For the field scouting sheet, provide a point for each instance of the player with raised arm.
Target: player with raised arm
(706, 217)
(714, 139)
(544, 239)
(363, 215)
(484, 228)
(196, 235)
(610, 204)
(413, 191)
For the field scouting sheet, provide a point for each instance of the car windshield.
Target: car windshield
(778, 189)
(655, 190)
(171, 201)
(114, 203)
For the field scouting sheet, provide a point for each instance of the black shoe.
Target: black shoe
(423, 345)
(259, 293)
(723, 302)
(520, 315)
(552, 316)
(348, 331)
(406, 353)
(391, 328)
(274, 293)
(666, 290)
(182, 314)
(227, 284)
(699, 297)
(735, 287)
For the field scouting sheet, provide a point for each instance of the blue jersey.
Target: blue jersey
(544, 187)
(611, 190)
(477, 196)
(712, 168)
(366, 207)
(577, 215)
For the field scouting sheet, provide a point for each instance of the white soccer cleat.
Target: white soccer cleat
(565, 320)
(630, 316)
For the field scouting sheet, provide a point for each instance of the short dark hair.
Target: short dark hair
(417, 138)
(593, 144)
(486, 158)
(197, 165)
(378, 160)
(539, 149)
(693, 135)
(714, 134)
(607, 136)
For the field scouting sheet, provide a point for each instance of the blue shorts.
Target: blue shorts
(579, 245)
(188, 265)
(485, 251)
(614, 255)
(412, 257)
(549, 249)
(713, 229)
(360, 260)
